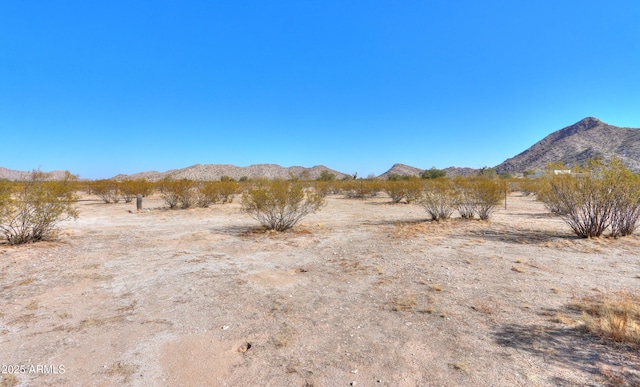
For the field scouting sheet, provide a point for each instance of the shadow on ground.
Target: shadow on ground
(571, 348)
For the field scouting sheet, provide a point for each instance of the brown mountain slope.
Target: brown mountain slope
(11, 174)
(402, 170)
(588, 138)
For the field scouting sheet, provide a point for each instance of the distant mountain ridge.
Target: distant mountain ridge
(216, 171)
(407, 170)
(574, 144)
(11, 174)
(588, 138)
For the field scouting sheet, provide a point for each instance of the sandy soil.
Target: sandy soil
(362, 293)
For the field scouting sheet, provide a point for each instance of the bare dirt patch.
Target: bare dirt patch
(363, 291)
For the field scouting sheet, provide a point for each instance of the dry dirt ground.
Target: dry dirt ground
(362, 293)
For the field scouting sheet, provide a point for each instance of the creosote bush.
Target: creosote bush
(31, 210)
(440, 199)
(409, 190)
(278, 204)
(178, 192)
(106, 189)
(361, 188)
(486, 193)
(129, 189)
(594, 198)
(213, 192)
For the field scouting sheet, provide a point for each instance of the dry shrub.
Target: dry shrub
(403, 304)
(361, 188)
(279, 205)
(466, 205)
(614, 316)
(324, 187)
(212, 192)
(479, 195)
(395, 190)
(31, 210)
(409, 189)
(594, 198)
(129, 189)
(440, 199)
(106, 189)
(176, 192)
(626, 203)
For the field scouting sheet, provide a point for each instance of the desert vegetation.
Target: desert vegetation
(30, 210)
(106, 189)
(594, 198)
(369, 275)
(176, 193)
(410, 190)
(279, 204)
(361, 188)
(213, 192)
(614, 316)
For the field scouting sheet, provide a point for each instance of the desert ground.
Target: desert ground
(363, 292)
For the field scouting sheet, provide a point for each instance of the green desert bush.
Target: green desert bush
(278, 204)
(325, 175)
(440, 199)
(31, 210)
(433, 173)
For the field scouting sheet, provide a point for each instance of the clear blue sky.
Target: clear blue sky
(107, 87)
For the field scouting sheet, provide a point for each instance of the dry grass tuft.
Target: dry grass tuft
(9, 380)
(461, 365)
(403, 304)
(517, 269)
(566, 320)
(488, 307)
(613, 316)
(123, 370)
(280, 341)
(436, 288)
(612, 376)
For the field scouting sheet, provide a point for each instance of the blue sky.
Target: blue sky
(107, 87)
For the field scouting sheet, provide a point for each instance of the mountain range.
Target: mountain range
(587, 139)
(574, 144)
